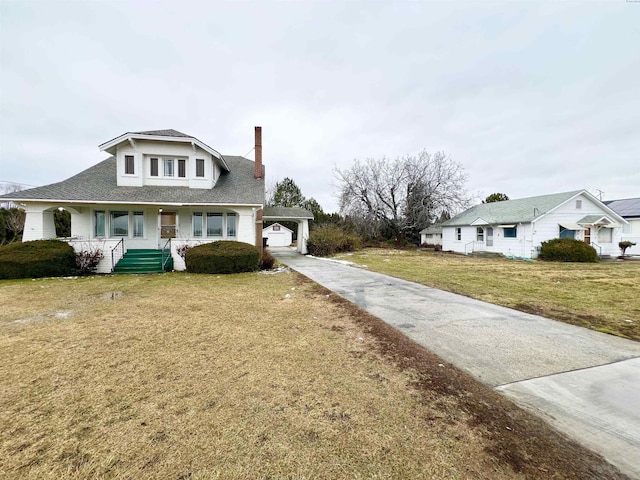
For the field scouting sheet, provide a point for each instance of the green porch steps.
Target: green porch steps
(142, 261)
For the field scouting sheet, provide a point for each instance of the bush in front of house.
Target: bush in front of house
(266, 260)
(567, 250)
(327, 240)
(224, 256)
(36, 259)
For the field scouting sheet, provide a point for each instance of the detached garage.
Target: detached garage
(277, 235)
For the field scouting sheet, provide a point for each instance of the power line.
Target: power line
(18, 183)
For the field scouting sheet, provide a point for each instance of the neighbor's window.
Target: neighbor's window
(605, 235)
(168, 167)
(276, 228)
(128, 165)
(119, 224)
(199, 167)
(578, 204)
(182, 168)
(480, 234)
(566, 233)
(197, 224)
(100, 221)
(458, 233)
(510, 232)
(231, 224)
(154, 167)
(138, 224)
(214, 224)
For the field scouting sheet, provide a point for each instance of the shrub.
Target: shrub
(328, 240)
(87, 260)
(39, 258)
(567, 250)
(266, 260)
(223, 256)
(624, 245)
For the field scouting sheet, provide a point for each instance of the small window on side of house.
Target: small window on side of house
(182, 168)
(199, 167)
(154, 167)
(511, 232)
(129, 167)
(459, 233)
(578, 204)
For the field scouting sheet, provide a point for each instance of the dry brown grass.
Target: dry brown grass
(241, 376)
(601, 296)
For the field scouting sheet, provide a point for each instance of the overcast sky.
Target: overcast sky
(530, 97)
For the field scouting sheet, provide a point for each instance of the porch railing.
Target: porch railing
(466, 247)
(598, 248)
(117, 253)
(166, 254)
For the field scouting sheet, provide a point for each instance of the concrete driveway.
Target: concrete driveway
(585, 383)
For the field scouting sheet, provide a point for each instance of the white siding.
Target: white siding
(281, 238)
(145, 150)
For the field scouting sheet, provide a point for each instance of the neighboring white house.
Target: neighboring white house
(431, 235)
(518, 227)
(277, 235)
(629, 209)
(158, 189)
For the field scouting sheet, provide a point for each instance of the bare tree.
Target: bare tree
(399, 197)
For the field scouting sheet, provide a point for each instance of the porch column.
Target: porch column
(38, 224)
(303, 236)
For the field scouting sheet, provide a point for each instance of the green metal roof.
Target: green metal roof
(521, 210)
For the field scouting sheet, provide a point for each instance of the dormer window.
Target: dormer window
(182, 168)
(129, 167)
(199, 167)
(168, 167)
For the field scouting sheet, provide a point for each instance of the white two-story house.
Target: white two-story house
(158, 190)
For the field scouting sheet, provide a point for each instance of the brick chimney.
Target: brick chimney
(258, 149)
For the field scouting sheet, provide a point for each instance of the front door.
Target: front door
(587, 236)
(489, 231)
(168, 225)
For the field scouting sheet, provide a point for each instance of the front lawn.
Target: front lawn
(255, 376)
(602, 296)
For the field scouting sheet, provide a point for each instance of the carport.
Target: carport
(291, 214)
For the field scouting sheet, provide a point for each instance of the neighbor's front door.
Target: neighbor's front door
(587, 236)
(489, 231)
(168, 225)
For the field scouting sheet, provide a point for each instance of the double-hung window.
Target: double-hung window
(138, 224)
(231, 224)
(197, 224)
(182, 168)
(129, 165)
(480, 234)
(199, 167)
(168, 167)
(100, 222)
(459, 233)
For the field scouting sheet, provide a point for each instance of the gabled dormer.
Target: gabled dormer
(164, 158)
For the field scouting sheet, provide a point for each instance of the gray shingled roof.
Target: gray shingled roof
(432, 229)
(626, 207)
(286, 213)
(169, 132)
(521, 210)
(98, 184)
